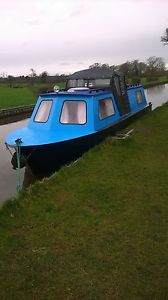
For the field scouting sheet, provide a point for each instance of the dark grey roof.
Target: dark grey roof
(93, 73)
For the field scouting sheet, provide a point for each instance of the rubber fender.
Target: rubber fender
(14, 161)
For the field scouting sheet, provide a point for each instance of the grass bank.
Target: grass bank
(154, 83)
(97, 229)
(160, 80)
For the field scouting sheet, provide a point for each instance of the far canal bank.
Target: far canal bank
(157, 95)
(15, 114)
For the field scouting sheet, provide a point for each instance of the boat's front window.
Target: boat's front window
(106, 108)
(73, 112)
(43, 111)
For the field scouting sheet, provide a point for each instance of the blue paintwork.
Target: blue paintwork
(53, 131)
(132, 98)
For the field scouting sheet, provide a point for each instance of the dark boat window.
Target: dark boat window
(139, 97)
(117, 85)
(43, 112)
(106, 108)
(73, 112)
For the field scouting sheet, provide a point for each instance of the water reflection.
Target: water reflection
(7, 174)
(157, 95)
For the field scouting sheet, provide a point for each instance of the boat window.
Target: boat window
(72, 83)
(99, 83)
(139, 97)
(80, 83)
(106, 108)
(73, 112)
(43, 111)
(117, 85)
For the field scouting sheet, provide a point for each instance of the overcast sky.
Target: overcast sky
(61, 36)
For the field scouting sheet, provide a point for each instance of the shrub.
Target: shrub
(135, 80)
(42, 88)
(151, 78)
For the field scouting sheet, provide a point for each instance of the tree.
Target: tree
(134, 69)
(164, 38)
(95, 65)
(155, 65)
(142, 68)
(33, 73)
(124, 68)
(11, 80)
(105, 66)
(33, 76)
(43, 76)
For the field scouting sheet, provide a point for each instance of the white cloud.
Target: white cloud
(55, 35)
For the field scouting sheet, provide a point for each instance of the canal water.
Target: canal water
(7, 174)
(157, 95)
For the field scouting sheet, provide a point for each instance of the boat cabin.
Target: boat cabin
(91, 102)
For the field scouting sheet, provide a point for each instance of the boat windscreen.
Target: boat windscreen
(99, 83)
(73, 112)
(90, 83)
(72, 83)
(43, 111)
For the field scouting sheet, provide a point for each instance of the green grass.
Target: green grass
(160, 80)
(146, 83)
(97, 229)
(11, 97)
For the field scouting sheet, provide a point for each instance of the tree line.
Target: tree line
(32, 78)
(152, 68)
(133, 70)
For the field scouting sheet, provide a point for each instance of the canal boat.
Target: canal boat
(66, 123)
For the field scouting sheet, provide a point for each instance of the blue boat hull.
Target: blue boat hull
(45, 159)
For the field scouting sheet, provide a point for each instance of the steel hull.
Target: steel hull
(45, 159)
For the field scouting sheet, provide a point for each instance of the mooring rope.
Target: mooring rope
(7, 148)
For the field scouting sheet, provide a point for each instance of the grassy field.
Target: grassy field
(160, 79)
(147, 83)
(23, 95)
(10, 97)
(97, 229)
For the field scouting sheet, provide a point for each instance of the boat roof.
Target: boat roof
(94, 73)
(89, 92)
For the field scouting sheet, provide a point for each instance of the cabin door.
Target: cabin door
(120, 93)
